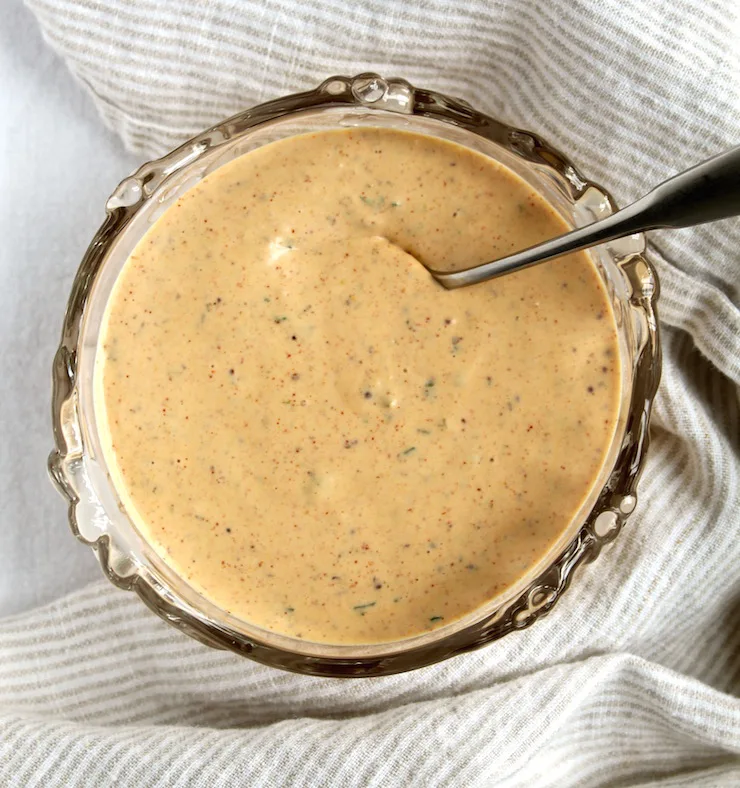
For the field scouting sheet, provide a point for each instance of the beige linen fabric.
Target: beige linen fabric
(632, 680)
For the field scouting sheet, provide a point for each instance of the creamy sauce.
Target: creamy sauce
(313, 433)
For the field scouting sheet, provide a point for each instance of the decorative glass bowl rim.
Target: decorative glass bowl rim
(615, 503)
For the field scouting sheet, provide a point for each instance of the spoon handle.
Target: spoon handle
(705, 193)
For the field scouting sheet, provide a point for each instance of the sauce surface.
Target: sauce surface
(318, 437)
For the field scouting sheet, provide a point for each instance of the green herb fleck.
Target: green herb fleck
(280, 319)
(436, 618)
(410, 450)
(361, 609)
(422, 431)
(378, 202)
(290, 610)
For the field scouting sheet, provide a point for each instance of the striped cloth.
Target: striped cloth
(633, 678)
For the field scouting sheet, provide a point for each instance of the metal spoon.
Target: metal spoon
(704, 193)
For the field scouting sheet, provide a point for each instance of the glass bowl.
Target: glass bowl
(77, 465)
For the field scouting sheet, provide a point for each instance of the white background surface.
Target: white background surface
(58, 166)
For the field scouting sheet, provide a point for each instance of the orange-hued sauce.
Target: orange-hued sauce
(312, 432)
